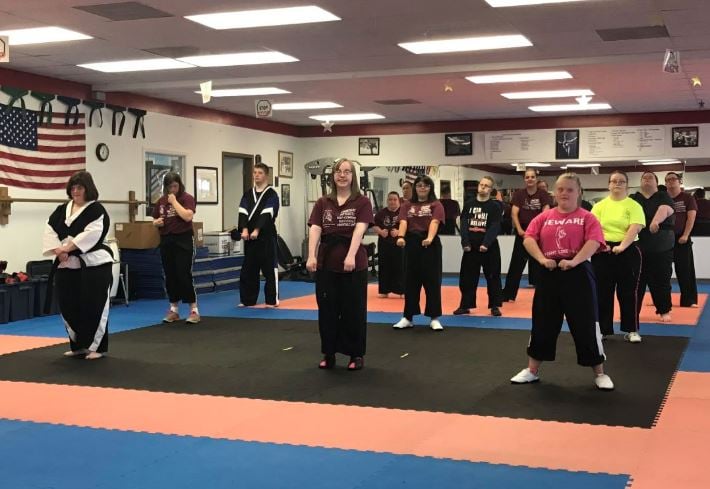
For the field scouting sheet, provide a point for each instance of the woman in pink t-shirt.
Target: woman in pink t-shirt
(562, 240)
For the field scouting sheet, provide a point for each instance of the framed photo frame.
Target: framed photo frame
(285, 194)
(685, 137)
(156, 166)
(458, 144)
(368, 146)
(567, 144)
(285, 164)
(206, 185)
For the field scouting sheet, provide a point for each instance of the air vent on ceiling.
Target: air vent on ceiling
(176, 51)
(628, 33)
(398, 101)
(124, 11)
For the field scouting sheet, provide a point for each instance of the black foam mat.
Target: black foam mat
(459, 370)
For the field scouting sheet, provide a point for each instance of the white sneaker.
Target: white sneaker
(525, 376)
(633, 337)
(436, 325)
(603, 382)
(403, 323)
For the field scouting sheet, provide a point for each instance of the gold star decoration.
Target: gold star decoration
(696, 81)
(327, 126)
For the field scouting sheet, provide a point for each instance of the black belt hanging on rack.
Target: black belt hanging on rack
(140, 114)
(117, 110)
(16, 95)
(95, 106)
(72, 108)
(45, 110)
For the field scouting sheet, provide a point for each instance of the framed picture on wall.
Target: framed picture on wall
(684, 137)
(206, 185)
(460, 144)
(285, 164)
(285, 195)
(368, 146)
(157, 165)
(567, 144)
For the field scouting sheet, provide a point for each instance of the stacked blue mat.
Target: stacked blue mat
(215, 274)
(145, 271)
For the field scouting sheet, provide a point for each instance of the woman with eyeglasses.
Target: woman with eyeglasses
(656, 241)
(336, 254)
(418, 234)
(562, 240)
(617, 268)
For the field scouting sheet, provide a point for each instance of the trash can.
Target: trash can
(22, 300)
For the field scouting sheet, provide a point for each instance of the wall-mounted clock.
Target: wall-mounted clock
(102, 151)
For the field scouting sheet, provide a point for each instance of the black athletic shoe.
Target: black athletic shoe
(460, 311)
(495, 312)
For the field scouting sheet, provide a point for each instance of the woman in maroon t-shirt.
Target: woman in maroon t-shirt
(418, 235)
(337, 223)
(172, 216)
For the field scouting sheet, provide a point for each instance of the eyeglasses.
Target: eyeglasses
(423, 185)
(671, 179)
(618, 182)
(343, 172)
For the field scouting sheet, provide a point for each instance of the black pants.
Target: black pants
(83, 296)
(621, 273)
(390, 264)
(342, 312)
(515, 270)
(471, 263)
(570, 294)
(423, 270)
(177, 252)
(259, 256)
(656, 271)
(685, 272)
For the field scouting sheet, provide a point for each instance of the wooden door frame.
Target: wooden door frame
(246, 175)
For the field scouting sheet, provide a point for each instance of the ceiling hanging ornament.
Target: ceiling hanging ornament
(327, 126)
(448, 88)
(583, 100)
(696, 81)
(206, 91)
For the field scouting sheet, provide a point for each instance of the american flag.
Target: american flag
(39, 156)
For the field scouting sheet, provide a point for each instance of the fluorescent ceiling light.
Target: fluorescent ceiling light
(569, 107)
(548, 94)
(531, 165)
(519, 77)
(238, 59)
(517, 3)
(265, 17)
(137, 65)
(306, 105)
(659, 162)
(346, 117)
(466, 44)
(581, 165)
(41, 35)
(245, 92)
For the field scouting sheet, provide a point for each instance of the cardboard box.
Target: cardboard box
(142, 235)
(219, 243)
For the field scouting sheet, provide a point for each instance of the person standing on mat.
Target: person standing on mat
(525, 205)
(407, 191)
(452, 211)
(389, 255)
(656, 241)
(75, 234)
(258, 210)
(480, 226)
(418, 235)
(562, 240)
(172, 216)
(685, 210)
(338, 258)
(618, 267)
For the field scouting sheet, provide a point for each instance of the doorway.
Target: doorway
(236, 179)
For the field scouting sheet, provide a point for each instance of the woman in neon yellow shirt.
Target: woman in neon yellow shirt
(619, 266)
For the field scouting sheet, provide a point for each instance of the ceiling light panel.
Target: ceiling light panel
(519, 77)
(246, 92)
(518, 3)
(42, 35)
(239, 59)
(569, 107)
(261, 18)
(548, 94)
(137, 65)
(532, 165)
(306, 106)
(346, 117)
(466, 44)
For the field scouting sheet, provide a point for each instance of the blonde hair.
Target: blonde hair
(570, 176)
